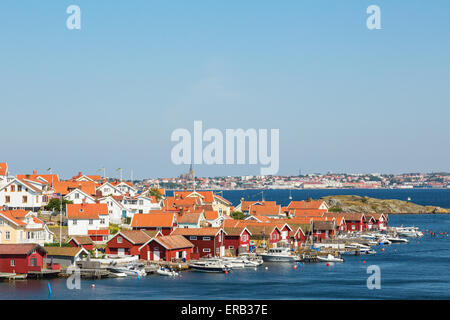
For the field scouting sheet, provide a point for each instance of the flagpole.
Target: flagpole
(60, 222)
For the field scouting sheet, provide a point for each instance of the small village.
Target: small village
(112, 228)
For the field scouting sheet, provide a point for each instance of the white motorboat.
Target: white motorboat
(166, 272)
(279, 255)
(397, 240)
(115, 273)
(130, 270)
(329, 258)
(233, 263)
(208, 266)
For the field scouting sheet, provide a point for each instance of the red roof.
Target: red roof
(152, 220)
(101, 232)
(65, 187)
(313, 204)
(3, 168)
(86, 210)
(23, 249)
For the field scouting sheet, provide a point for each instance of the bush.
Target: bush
(335, 209)
(237, 215)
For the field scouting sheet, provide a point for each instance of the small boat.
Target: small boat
(234, 263)
(130, 270)
(329, 258)
(208, 266)
(166, 272)
(397, 240)
(279, 255)
(116, 274)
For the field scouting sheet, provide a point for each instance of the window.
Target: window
(13, 263)
(353, 227)
(119, 239)
(19, 188)
(193, 238)
(1, 222)
(77, 196)
(7, 235)
(206, 250)
(102, 221)
(231, 247)
(13, 188)
(206, 238)
(7, 199)
(24, 199)
(91, 221)
(33, 262)
(244, 237)
(74, 222)
(141, 202)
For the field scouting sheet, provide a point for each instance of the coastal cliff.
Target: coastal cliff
(351, 203)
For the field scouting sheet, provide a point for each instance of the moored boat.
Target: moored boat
(279, 255)
(330, 258)
(208, 266)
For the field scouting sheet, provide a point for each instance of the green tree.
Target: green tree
(54, 204)
(237, 215)
(154, 192)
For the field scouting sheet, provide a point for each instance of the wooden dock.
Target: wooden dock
(12, 276)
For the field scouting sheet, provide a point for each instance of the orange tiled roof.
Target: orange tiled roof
(265, 210)
(174, 242)
(142, 220)
(64, 187)
(10, 217)
(299, 205)
(211, 215)
(3, 168)
(196, 231)
(86, 210)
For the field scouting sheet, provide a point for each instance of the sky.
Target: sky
(344, 98)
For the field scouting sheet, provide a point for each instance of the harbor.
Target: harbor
(415, 270)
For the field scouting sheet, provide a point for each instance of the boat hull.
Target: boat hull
(275, 258)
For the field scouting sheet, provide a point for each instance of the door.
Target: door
(148, 255)
(156, 254)
(121, 251)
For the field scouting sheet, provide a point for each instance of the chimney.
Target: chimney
(80, 174)
(34, 172)
(83, 201)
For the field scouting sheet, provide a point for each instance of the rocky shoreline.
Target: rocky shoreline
(352, 203)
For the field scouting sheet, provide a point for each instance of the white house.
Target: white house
(107, 189)
(126, 187)
(140, 204)
(86, 216)
(77, 196)
(23, 194)
(116, 210)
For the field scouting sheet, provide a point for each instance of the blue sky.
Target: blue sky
(345, 98)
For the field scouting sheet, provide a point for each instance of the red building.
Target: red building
(21, 258)
(99, 235)
(128, 242)
(82, 242)
(322, 230)
(353, 221)
(167, 248)
(207, 241)
(164, 222)
(380, 221)
(299, 234)
(237, 239)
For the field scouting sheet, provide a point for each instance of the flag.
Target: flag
(49, 169)
(118, 169)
